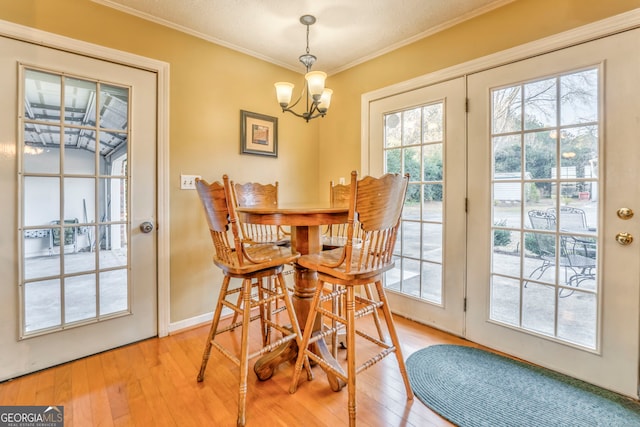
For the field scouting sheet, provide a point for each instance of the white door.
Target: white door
(77, 169)
(553, 150)
(422, 132)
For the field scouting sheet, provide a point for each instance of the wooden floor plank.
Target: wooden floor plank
(9, 392)
(98, 393)
(159, 406)
(82, 412)
(62, 391)
(115, 385)
(44, 388)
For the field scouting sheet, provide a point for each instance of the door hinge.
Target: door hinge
(466, 205)
(464, 304)
(466, 105)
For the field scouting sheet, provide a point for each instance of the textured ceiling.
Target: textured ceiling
(347, 32)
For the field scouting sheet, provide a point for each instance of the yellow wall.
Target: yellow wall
(209, 85)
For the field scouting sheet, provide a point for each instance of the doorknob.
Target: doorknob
(146, 227)
(625, 213)
(624, 238)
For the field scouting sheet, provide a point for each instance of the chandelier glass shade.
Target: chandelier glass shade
(317, 97)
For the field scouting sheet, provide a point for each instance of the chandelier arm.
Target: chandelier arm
(309, 115)
(288, 110)
(314, 109)
(295, 103)
(290, 106)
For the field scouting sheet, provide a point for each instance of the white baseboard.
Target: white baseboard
(192, 322)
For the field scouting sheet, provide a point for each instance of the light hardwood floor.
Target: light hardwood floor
(153, 383)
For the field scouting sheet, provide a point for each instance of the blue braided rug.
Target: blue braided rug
(472, 387)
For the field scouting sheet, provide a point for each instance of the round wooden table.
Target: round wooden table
(306, 221)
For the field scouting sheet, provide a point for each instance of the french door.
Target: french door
(552, 149)
(421, 132)
(78, 163)
(542, 265)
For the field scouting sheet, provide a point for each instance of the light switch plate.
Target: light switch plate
(188, 182)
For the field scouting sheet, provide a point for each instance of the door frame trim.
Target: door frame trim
(603, 28)
(161, 68)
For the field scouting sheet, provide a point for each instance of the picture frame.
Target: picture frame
(258, 134)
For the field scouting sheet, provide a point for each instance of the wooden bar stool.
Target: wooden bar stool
(376, 204)
(253, 264)
(336, 237)
(256, 194)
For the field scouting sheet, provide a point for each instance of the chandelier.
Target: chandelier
(317, 97)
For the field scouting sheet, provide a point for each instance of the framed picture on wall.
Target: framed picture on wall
(258, 134)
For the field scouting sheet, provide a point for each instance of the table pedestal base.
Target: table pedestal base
(305, 286)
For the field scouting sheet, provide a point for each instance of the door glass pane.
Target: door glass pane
(113, 206)
(432, 162)
(432, 127)
(392, 132)
(112, 144)
(505, 298)
(538, 308)
(79, 102)
(41, 148)
(80, 298)
(432, 202)
(411, 245)
(431, 238)
(42, 304)
(392, 161)
(412, 162)
(42, 96)
(506, 156)
(417, 147)
(114, 107)
(506, 245)
(579, 105)
(431, 282)
(577, 317)
(82, 205)
(74, 224)
(112, 243)
(41, 198)
(411, 126)
(39, 261)
(79, 154)
(540, 154)
(540, 104)
(506, 105)
(113, 292)
(541, 283)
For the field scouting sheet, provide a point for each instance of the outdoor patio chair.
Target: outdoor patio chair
(577, 267)
(573, 219)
